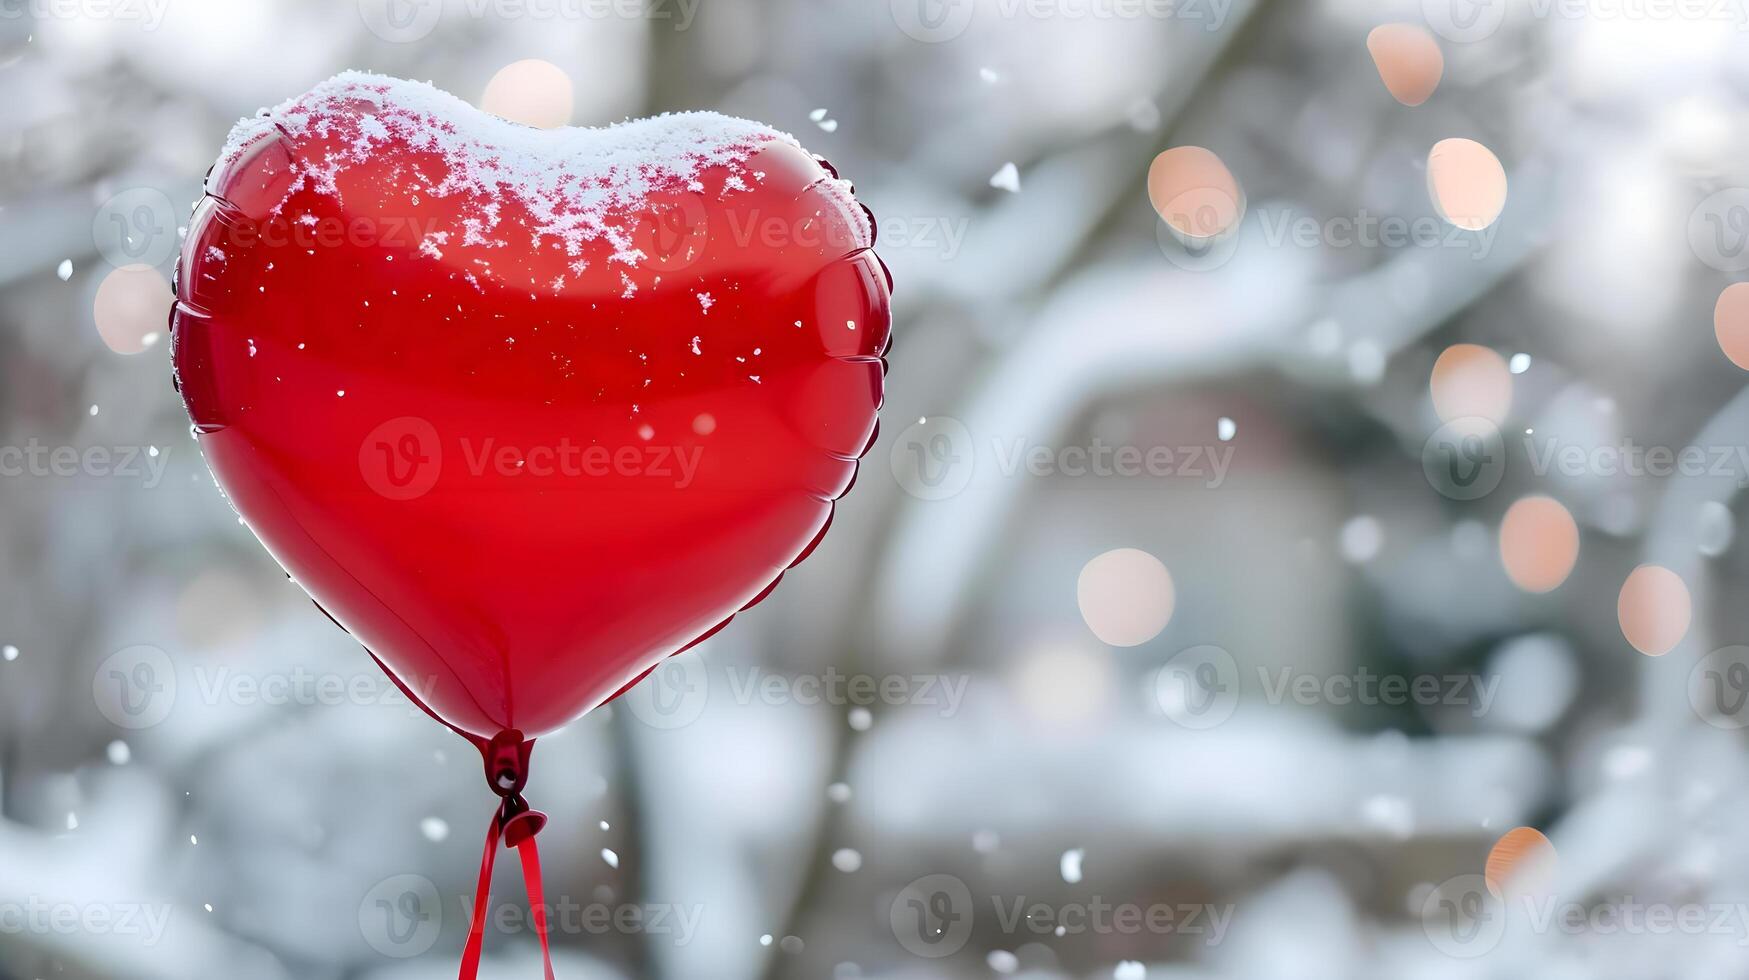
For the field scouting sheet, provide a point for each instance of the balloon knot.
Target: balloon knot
(506, 757)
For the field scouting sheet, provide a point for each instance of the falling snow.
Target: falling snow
(1070, 865)
(1007, 179)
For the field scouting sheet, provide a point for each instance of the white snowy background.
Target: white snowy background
(254, 823)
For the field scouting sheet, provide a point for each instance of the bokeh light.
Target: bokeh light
(132, 308)
(1654, 609)
(1126, 596)
(1731, 323)
(1471, 381)
(1193, 191)
(532, 92)
(1408, 59)
(1467, 183)
(1521, 863)
(1539, 543)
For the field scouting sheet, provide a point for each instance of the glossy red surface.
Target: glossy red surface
(519, 486)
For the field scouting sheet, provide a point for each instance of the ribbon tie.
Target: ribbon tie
(506, 758)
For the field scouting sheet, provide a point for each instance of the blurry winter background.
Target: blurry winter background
(1180, 459)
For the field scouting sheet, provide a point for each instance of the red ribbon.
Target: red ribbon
(506, 758)
(483, 894)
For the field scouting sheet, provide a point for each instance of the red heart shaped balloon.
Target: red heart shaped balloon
(527, 410)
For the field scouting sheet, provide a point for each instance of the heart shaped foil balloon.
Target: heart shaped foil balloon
(526, 411)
